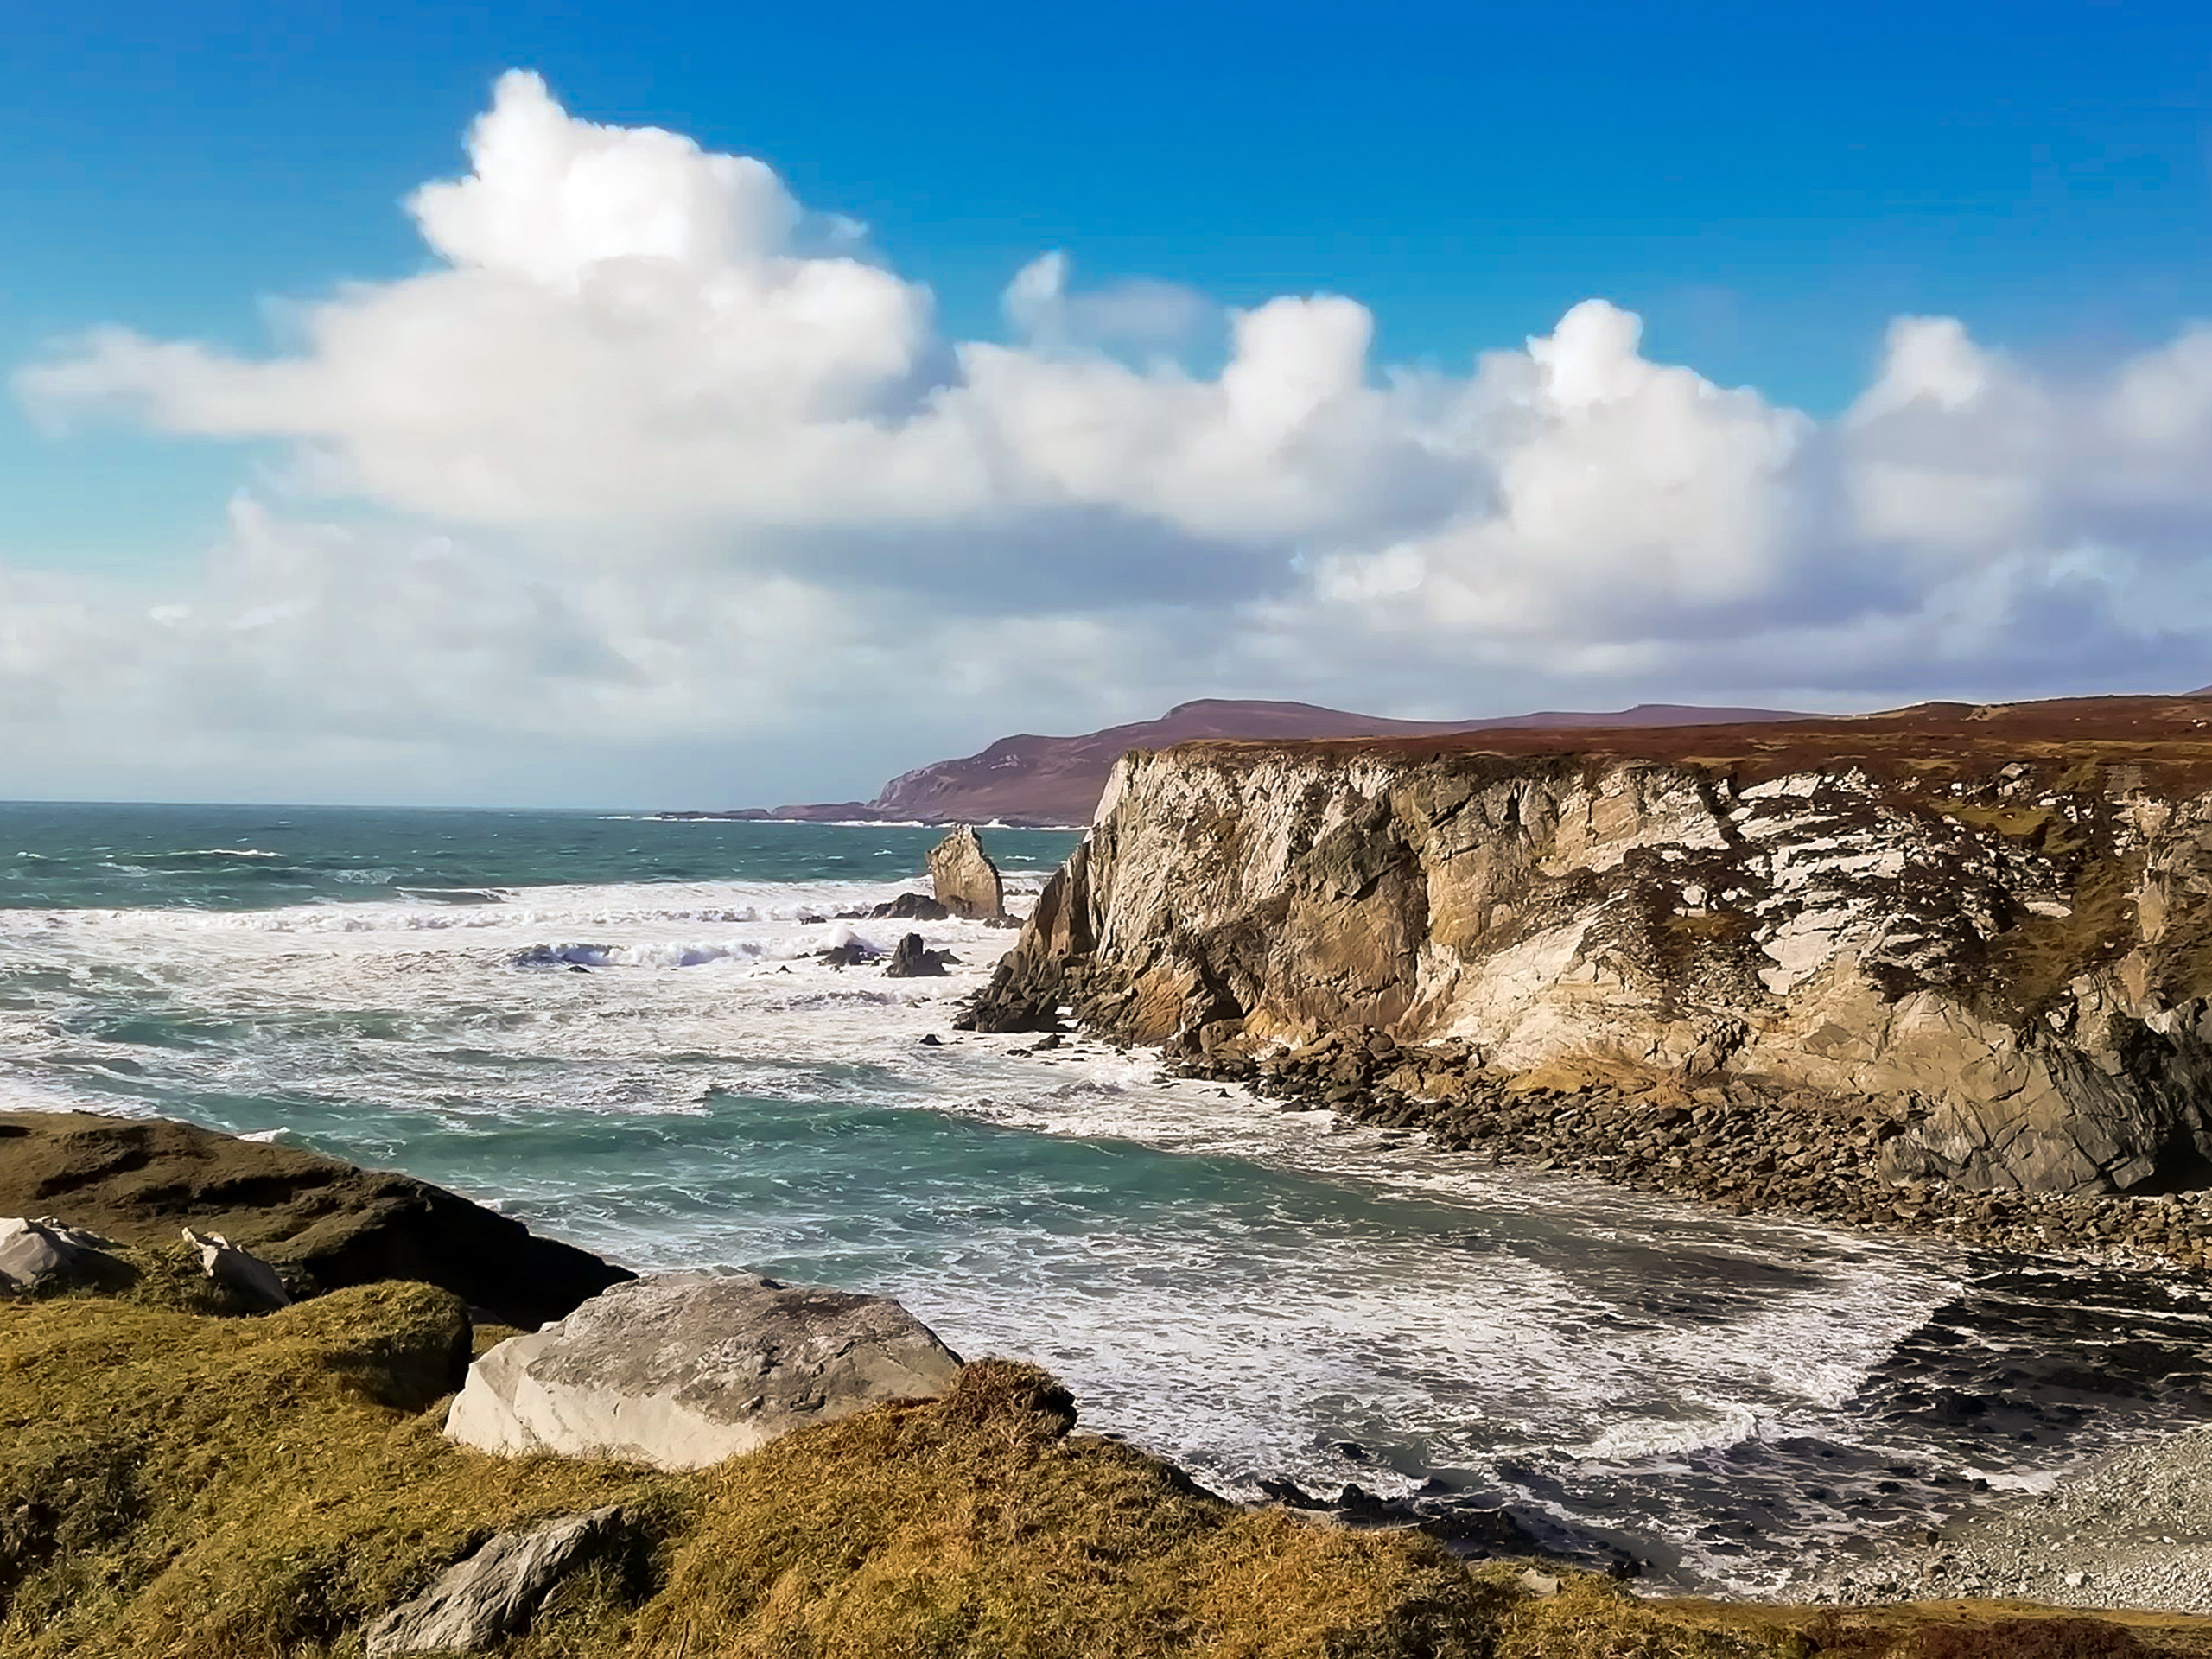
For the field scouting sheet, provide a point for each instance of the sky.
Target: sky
(585, 405)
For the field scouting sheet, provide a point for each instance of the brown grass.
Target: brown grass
(976, 1527)
(179, 1485)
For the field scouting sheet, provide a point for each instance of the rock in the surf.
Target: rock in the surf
(247, 1276)
(914, 960)
(49, 1255)
(966, 880)
(496, 1592)
(322, 1222)
(684, 1369)
(909, 907)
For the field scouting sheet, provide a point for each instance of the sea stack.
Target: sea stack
(966, 882)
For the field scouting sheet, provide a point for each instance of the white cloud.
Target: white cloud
(698, 471)
(1138, 315)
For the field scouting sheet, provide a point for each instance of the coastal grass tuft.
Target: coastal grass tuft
(179, 1483)
(977, 1526)
(173, 1483)
(1591, 1618)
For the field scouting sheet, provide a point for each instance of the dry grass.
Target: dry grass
(173, 1483)
(2033, 962)
(176, 1483)
(974, 1526)
(179, 1485)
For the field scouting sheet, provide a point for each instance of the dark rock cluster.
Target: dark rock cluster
(1741, 1147)
(907, 907)
(914, 960)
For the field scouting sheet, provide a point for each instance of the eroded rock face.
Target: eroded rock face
(682, 1371)
(966, 882)
(2017, 959)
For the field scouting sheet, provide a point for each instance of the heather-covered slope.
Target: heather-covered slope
(1057, 780)
(1996, 921)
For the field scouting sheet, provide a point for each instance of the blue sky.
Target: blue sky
(1766, 185)
(1955, 255)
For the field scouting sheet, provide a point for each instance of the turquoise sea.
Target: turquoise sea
(617, 1029)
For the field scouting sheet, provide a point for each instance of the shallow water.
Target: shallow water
(1257, 1294)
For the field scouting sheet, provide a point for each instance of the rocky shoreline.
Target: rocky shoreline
(2134, 1531)
(364, 1374)
(1742, 1148)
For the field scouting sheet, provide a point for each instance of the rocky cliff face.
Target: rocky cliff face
(2002, 932)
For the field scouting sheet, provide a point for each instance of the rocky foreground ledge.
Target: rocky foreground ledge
(323, 1224)
(682, 1466)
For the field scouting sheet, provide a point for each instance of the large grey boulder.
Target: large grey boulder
(48, 1255)
(493, 1593)
(684, 1369)
(966, 880)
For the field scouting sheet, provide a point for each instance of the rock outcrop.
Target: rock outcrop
(322, 1222)
(680, 1371)
(914, 960)
(909, 907)
(1996, 922)
(966, 882)
(48, 1255)
(247, 1277)
(496, 1592)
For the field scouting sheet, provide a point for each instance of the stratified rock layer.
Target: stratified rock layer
(684, 1369)
(138, 1180)
(2007, 940)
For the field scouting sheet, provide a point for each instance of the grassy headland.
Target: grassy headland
(175, 1480)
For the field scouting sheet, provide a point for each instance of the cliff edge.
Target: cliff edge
(1997, 921)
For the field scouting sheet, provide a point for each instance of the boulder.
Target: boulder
(680, 1371)
(49, 1255)
(966, 880)
(851, 954)
(253, 1281)
(912, 960)
(139, 1179)
(911, 907)
(495, 1593)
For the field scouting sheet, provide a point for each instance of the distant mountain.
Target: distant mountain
(1057, 780)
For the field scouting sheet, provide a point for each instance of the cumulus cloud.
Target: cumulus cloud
(1138, 315)
(698, 469)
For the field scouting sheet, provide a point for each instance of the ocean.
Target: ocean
(617, 1029)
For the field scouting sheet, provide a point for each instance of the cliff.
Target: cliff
(1996, 922)
(1057, 780)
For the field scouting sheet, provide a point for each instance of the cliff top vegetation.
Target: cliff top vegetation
(2171, 738)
